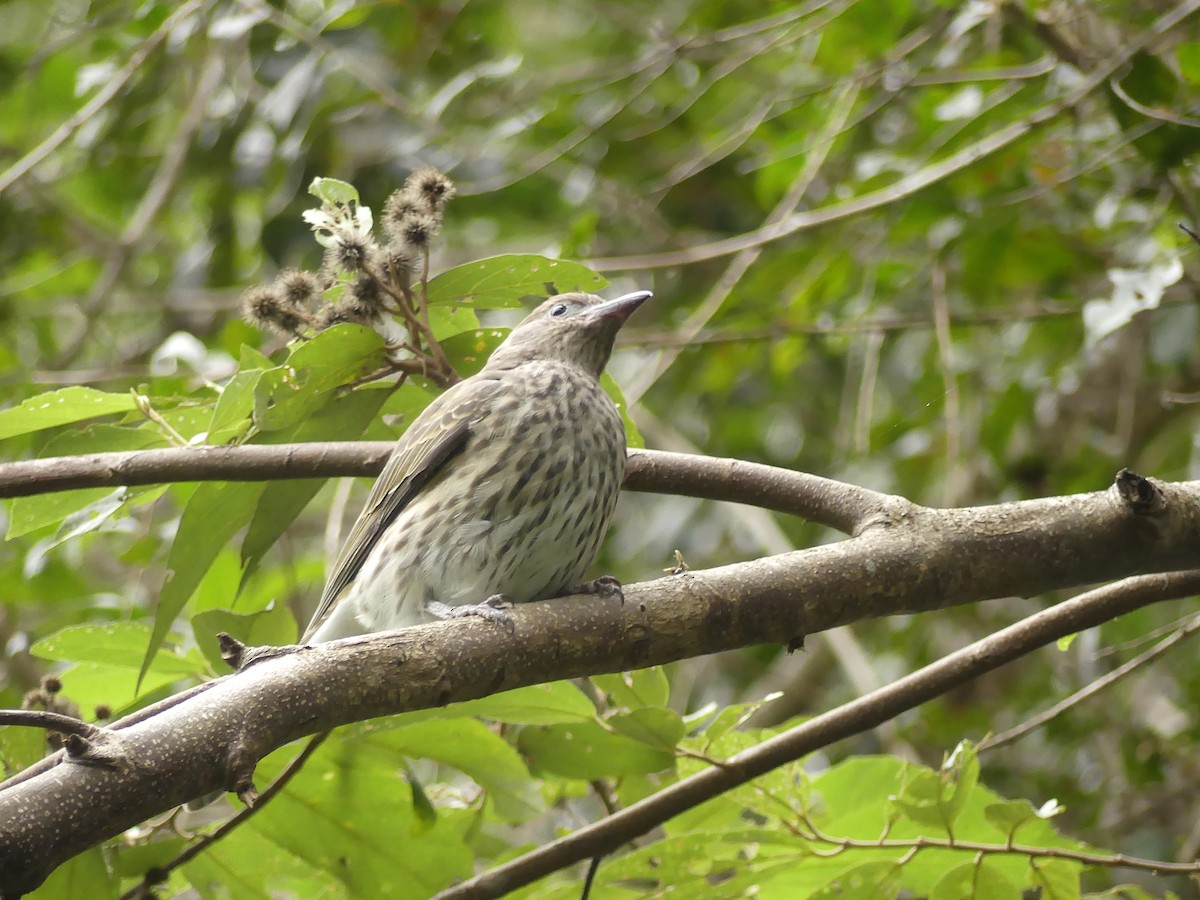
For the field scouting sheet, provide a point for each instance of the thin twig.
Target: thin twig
(159, 873)
(1091, 690)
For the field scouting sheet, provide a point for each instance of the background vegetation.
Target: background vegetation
(926, 247)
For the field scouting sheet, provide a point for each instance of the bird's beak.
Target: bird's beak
(621, 308)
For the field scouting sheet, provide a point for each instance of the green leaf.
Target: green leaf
(20, 747)
(106, 663)
(469, 350)
(273, 626)
(333, 191)
(475, 750)
(555, 703)
(587, 750)
(213, 515)
(343, 419)
(288, 394)
(1009, 815)
(502, 282)
(633, 437)
(936, 799)
(73, 404)
(865, 881)
(119, 644)
(1057, 878)
(232, 416)
(355, 820)
(631, 690)
(982, 881)
(86, 875)
(1188, 57)
(30, 513)
(735, 715)
(662, 729)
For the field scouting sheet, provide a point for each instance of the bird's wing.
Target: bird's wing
(430, 442)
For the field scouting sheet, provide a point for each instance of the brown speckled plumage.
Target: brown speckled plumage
(504, 485)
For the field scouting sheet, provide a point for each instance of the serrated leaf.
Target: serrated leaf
(502, 282)
(61, 407)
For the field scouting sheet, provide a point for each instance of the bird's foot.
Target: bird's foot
(605, 586)
(492, 609)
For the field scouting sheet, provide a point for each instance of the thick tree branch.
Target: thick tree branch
(833, 503)
(609, 834)
(907, 558)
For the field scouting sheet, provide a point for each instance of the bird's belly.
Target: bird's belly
(465, 539)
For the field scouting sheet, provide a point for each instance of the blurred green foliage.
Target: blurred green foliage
(1020, 326)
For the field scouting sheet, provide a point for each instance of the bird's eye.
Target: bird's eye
(558, 309)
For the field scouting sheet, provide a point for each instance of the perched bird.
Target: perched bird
(500, 491)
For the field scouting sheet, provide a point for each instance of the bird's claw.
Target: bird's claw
(605, 586)
(492, 609)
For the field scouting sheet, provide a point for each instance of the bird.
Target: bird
(500, 491)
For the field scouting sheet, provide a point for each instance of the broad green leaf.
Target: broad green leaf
(630, 690)
(447, 321)
(354, 819)
(119, 644)
(1057, 878)
(469, 351)
(249, 866)
(975, 881)
(232, 416)
(288, 394)
(660, 728)
(86, 875)
(213, 515)
(273, 626)
(587, 750)
(1009, 815)
(333, 191)
(30, 513)
(106, 661)
(61, 407)
(865, 881)
(344, 419)
(633, 437)
(474, 749)
(541, 704)
(504, 281)
(20, 747)
(736, 714)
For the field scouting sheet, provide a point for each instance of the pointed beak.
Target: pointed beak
(621, 308)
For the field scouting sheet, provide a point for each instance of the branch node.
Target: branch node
(1140, 494)
(248, 793)
(240, 656)
(233, 651)
(101, 748)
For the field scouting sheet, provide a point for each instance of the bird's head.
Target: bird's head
(578, 329)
